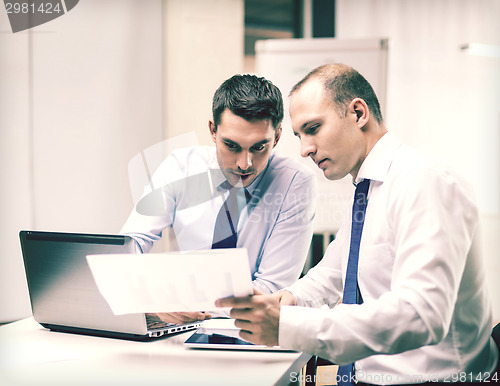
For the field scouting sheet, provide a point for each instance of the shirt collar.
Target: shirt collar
(377, 163)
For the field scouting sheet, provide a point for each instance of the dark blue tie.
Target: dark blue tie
(345, 374)
(226, 224)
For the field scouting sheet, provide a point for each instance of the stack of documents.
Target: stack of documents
(171, 282)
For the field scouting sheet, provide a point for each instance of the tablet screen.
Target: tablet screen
(209, 339)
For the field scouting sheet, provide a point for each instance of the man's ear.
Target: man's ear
(360, 112)
(277, 136)
(213, 129)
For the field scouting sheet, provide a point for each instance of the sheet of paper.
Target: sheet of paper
(222, 327)
(170, 282)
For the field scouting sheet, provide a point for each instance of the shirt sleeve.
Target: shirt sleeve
(155, 210)
(285, 250)
(433, 220)
(323, 283)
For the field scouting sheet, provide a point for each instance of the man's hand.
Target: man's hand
(257, 316)
(286, 298)
(183, 317)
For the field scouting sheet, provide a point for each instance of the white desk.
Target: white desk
(31, 355)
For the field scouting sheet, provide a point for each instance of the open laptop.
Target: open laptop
(64, 296)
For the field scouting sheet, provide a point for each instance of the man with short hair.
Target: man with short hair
(400, 295)
(236, 194)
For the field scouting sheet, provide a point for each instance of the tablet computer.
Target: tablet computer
(204, 338)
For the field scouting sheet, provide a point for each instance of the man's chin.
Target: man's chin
(333, 176)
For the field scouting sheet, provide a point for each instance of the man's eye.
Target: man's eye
(259, 147)
(231, 146)
(312, 129)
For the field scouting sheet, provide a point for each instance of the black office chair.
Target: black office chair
(495, 334)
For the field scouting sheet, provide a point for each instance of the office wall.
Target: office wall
(439, 98)
(16, 198)
(79, 96)
(203, 47)
(82, 94)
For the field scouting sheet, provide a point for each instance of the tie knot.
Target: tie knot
(362, 187)
(226, 224)
(360, 201)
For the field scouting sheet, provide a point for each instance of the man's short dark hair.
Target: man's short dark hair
(343, 84)
(249, 97)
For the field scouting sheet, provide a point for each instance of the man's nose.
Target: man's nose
(307, 147)
(245, 160)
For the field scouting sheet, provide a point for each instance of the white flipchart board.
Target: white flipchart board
(285, 62)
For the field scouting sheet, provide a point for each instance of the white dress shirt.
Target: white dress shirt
(426, 314)
(275, 227)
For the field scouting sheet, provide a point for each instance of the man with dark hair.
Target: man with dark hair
(249, 97)
(236, 194)
(400, 295)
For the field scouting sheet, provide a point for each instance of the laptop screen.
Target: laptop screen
(61, 287)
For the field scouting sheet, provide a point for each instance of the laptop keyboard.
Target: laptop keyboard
(155, 323)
